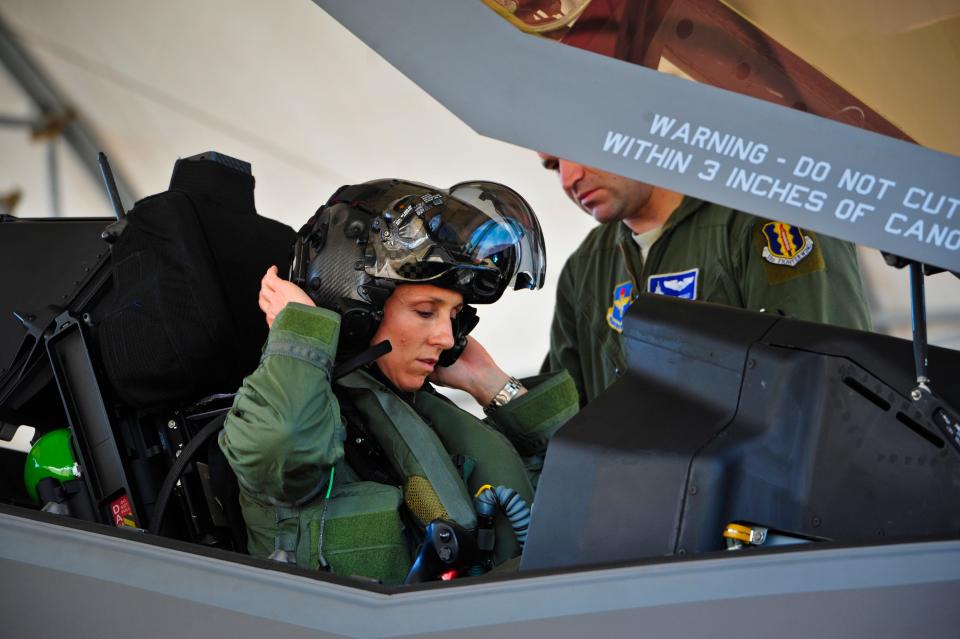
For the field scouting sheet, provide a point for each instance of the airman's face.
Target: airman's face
(607, 197)
(417, 319)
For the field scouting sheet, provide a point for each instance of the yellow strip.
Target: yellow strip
(738, 532)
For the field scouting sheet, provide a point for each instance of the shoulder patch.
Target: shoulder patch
(786, 245)
(682, 284)
(787, 251)
(622, 299)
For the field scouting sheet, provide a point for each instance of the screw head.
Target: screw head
(355, 229)
(172, 424)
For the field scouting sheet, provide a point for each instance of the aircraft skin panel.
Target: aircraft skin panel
(815, 173)
(56, 578)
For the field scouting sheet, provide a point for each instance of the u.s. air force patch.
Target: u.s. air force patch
(787, 251)
(786, 245)
(622, 299)
(682, 284)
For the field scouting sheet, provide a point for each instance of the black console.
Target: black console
(728, 415)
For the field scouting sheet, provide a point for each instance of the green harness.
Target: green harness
(358, 529)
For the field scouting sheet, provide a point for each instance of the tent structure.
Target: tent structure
(287, 88)
(758, 416)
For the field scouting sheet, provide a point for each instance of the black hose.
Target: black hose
(512, 505)
(186, 455)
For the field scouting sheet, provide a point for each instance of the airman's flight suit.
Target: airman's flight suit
(705, 252)
(285, 433)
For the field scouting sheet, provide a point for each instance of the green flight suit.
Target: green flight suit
(285, 433)
(706, 252)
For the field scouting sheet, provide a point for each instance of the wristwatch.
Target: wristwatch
(504, 395)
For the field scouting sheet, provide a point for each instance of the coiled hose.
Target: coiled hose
(512, 505)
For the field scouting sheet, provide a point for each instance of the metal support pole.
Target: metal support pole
(18, 121)
(53, 173)
(919, 309)
(50, 101)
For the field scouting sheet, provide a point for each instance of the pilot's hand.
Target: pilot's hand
(275, 292)
(474, 372)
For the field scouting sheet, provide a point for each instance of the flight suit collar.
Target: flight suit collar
(688, 207)
(637, 265)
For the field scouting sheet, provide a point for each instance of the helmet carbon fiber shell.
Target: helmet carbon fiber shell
(476, 238)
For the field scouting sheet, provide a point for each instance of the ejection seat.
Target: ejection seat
(135, 336)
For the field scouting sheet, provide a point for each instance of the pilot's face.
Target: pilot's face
(607, 197)
(417, 319)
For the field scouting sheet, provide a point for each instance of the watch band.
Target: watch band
(504, 395)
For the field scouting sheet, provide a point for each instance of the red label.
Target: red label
(122, 513)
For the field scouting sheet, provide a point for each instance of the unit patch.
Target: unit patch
(786, 244)
(787, 251)
(682, 285)
(622, 299)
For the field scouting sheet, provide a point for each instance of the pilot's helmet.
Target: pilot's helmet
(476, 238)
(50, 457)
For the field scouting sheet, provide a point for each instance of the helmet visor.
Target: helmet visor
(513, 222)
(476, 237)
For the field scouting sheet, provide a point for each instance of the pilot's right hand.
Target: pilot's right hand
(276, 292)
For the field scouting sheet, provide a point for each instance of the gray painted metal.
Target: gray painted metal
(50, 101)
(802, 169)
(60, 580)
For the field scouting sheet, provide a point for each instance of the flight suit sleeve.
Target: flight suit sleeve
(284, 430)
(797, 273)
(531, 419)
(564, 353)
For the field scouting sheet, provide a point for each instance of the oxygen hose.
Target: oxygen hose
(512, 505)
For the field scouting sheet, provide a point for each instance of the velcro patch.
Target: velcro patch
(622, 299)
(787, 251)
(682, 284)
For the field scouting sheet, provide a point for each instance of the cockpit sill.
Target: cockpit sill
(9, 516)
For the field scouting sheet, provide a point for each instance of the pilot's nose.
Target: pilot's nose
(442, 334)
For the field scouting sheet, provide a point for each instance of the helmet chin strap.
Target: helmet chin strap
(465, 322)
(362, 359)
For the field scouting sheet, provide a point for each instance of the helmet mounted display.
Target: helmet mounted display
(476, 238)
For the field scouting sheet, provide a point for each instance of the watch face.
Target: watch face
(505, 394)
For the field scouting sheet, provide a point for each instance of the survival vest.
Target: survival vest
(360, 529)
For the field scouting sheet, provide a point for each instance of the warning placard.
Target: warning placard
(122, 513)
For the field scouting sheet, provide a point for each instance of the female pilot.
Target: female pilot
(343, 470)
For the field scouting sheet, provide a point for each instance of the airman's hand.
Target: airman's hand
(276, 292)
